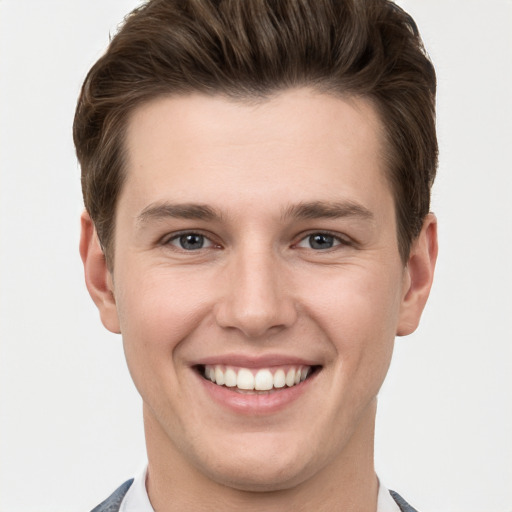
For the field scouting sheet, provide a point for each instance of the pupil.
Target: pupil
(320, 241)
(191, 242)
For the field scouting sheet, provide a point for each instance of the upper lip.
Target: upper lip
(250, 361)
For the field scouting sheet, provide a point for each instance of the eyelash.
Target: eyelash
(177, 236)
(337, 239)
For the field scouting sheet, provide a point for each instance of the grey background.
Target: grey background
(70, 418)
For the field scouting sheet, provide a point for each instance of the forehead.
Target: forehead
(315, 145)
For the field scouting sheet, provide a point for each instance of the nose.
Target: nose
(257, 298)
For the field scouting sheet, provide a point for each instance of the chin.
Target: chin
(263, 478)
(262, 467)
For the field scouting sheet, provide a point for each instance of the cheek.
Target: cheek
(160, 304)
(157, 311)
(356, 301)
(358, 311)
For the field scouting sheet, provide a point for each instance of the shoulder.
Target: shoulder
(113, 502)
(402, 504)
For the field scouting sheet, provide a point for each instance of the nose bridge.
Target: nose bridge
(257, 298)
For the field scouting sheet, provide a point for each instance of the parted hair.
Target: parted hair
(252, 49)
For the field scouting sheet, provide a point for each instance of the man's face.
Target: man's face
(254, 242)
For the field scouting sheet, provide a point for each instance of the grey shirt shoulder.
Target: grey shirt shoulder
(113, 502)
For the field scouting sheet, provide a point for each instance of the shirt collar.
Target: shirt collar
(137, 499)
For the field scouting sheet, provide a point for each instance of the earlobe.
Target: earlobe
(419, 275)
(98, 278)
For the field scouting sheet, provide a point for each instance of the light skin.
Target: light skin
(258, 235)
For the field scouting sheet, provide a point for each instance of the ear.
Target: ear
(419, 273)
(97, 276)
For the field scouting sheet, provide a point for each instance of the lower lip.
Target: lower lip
(250, 404)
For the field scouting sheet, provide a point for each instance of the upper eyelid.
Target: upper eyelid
(167, 240)
(176, 234)
(343, 238)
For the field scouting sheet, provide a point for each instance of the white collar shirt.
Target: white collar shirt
(137, 499)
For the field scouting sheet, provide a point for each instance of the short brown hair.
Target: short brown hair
(253, 48)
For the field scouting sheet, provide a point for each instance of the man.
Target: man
(257, 180)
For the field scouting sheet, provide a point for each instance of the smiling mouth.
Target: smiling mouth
(260, 381)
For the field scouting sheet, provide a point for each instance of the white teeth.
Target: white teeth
(245, 379)
(230, 378)
(290, 377)
(279, 379)
(263, 380)
(219, 376)
(260, 380)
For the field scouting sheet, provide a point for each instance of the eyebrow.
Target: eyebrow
(160, 211)
(327, 210)
(303, 211)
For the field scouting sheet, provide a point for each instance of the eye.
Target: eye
(190, 241)
(321, 241)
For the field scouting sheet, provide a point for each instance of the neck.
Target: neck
(348, 482)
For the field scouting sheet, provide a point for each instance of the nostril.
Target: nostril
(255, 323)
